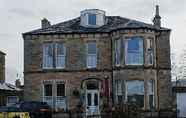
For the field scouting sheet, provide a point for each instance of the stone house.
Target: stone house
(95, 60)
(8, 93)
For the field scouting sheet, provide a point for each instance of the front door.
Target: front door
(92, 102)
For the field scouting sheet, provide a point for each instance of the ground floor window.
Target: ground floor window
(60, 89)
(135, 92)
(151, 94)
(48, 90)
(54, 94)
(12, 100)
(119, 91)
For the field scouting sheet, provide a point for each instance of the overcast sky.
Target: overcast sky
(18, 16)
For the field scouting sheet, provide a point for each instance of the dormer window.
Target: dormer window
(92, 19)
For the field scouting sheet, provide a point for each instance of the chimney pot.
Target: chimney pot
(157, 18)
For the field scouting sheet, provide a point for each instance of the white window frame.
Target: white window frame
(126, 52)
(119, 91)
(60, 56)
(152, 83)
(150, 46)
(45, 56)
(91, 55)
(117, 52)
(61, 82)
(10, 97)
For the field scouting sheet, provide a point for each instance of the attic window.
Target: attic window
(92, 19)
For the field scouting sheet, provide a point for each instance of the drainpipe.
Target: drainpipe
(157, 67)
(112, 73)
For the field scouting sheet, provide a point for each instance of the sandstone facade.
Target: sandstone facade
(75, 75)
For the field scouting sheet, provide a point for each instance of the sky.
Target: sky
(19, 16)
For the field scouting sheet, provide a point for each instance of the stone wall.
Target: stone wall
(75, 47)
(76, 70)
(73, 80)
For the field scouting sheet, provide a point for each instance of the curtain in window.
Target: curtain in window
(60, 55)
(151, 93)
(48, 54)
(135, 92)
(91, 55)
(134, 51)
(117, 52)
(149, 51)
(119, 90)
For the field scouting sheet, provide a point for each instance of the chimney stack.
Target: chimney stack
(18, 83)
(45, 23)
(157, 18)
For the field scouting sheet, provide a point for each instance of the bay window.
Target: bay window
(151, 94)
(134, 51)
(117, 51)
(91, 55)
(135, 92)
(119, 93)
(150, 51)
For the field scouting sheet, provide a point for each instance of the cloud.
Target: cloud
(18, 16)
(23, 12)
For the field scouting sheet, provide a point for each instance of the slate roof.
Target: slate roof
(9, 87)
(112, 23)
(2, 52)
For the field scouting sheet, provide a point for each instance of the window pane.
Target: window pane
(48, 89)
(48, 55)
(89, 99)
(60, 56)
(134, 53)
(60, 49)
(92, 19)
(96, 99)
(149, 51)
(118, 87)
(117, 52)
(12, 99)
(60, 89)
(151, 93)
(91, 55)
(92, 48)
(135, 92)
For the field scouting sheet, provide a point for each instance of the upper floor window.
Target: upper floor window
(117, 52)
(134, 51)
(60, 55)
(92, 19)
(91, 55)
(48, 55)
(54, 55)
(150, 55)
